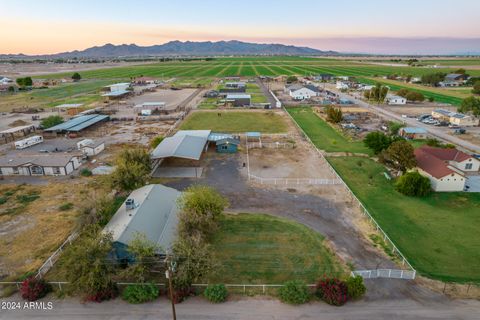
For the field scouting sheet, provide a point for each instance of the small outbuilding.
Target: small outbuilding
(413, 133)
(227, 145)
(239, 100)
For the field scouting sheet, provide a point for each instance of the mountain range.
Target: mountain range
(188, 48)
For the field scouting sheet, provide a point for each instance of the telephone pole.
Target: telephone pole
(169, 275)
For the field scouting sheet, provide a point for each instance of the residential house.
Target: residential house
(143, 81)
(413, 133)
(446, 168)
(39, 165)
(90, 147)
(299, 92)
(342, 85)
(396, 100)
(455, 118)
(454, 80)
(151, 211)
(324, 77)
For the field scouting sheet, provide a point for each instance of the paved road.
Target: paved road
(249, 308)
(434, 131)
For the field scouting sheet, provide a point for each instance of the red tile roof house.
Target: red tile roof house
(445, 168)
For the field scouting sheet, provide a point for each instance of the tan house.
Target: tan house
(446, 168)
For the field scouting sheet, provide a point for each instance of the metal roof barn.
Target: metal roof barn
(187, 144)
(79, 123)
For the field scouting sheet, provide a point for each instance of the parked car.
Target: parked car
(459, 131)
(423, 117)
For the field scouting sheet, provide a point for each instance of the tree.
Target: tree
(156, 141)
(292, 79)
(76, 76)
(51, 121)
(377, 141)
(132, 169)
(415, 96)
(400, 155)
(20, 82)
(195, 261)
(433, 79)
(334, 115)
(403, 92)
(377, 93)
(476, 87)
(460, 71)
(394, 127)
(89, 273)
(11, 89)
(413, 184)
(27, 81)
(200, 208)
(470, 104)
(144, 252)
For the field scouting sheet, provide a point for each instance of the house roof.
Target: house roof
(155, 215)
(447, 154)
(215, 136)
(227, 141)
(294, 87)
(116, 93)
(431, 164)
(17, 129)
(413, 130)
(79, 123)
(392, 96)
(238, 96)
(312, 87)
(44, 160)
(454, 76)
(187, 144)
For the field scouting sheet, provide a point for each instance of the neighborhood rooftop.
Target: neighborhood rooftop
(187, 144)
(79, 123)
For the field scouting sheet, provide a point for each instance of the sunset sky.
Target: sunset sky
(370, 26)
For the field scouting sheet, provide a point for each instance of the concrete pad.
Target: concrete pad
(474, 183)
(178, 172)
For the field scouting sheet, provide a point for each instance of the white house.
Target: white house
(299, 92)
(118, 87)
(5, 80)
(446, 168)
(396, 100)
(342, 85)
(39, 165)
(90, 147)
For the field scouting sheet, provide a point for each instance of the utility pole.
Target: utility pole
(169, 275)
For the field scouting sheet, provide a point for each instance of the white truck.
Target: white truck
(28, 142)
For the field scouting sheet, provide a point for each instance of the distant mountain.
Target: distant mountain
(188, 48)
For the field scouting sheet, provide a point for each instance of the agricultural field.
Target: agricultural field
(85, 92)
(323, 135)
(257, 248)
(235, 121)
(252, 66)
(453, 97)
(438, 234)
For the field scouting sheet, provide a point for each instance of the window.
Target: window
(36, 170)
(224, 147)
(468, 166)
(15, 170)
(56, 170)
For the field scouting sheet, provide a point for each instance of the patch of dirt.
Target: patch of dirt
(18, 123)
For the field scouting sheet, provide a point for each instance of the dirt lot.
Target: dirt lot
(33, 223)
(416, 110)
(172, 98)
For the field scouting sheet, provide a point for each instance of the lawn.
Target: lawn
(235, 121)
(257, 248)
(323, 135)
(438, 234)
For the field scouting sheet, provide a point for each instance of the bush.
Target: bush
(140, 293)
(294, 292)
(355, 287)
(111, 292)
(85, 172)
(413, 184)
(66, 206)
(33, 289)
(156, 141)
(51, 121)
(216, 293)
(333, 291)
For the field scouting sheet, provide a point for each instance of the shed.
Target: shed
(413, 133)
(239, 100)
(227, 145)
(152, 211)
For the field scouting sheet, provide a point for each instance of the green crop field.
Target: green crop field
(323, 135)
(256, 248)
(235, 121)
(438, 234)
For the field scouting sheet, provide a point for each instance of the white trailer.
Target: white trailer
(28, 142)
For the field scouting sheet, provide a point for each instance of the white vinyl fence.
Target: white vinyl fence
(48, 264)
(293, 181)
(385, 273)
(271, 145)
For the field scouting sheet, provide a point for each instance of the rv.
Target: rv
(28, 142)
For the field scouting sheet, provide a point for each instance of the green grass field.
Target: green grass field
(323, 135)
(256, 248)
(438, 234)
(235, 121)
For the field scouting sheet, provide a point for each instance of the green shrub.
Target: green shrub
(27, 198)
(216, 293)
(413, 184)
(355, 287)
(3, 200)
(294, 292)
(66, 206)
(156, 141)
(140, 293)
(85, 172)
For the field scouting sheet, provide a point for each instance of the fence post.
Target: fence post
(263, 289)
(244, 289)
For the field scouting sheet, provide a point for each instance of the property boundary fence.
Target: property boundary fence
(271, 145)
(363, 209)
(48, 264)
(385, 273)
(293, 181)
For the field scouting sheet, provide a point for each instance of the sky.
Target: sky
(366, 26)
